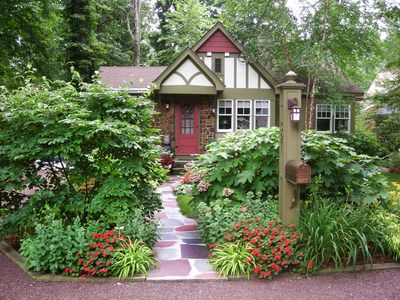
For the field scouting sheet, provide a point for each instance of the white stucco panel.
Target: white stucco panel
(264, 85)
(207, 61)
(253, 78)
(200, 80)
(174, 79)
(240, 74)
(188, 69)
(229, 72)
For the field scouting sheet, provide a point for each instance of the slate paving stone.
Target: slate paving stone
(171, 222)
(188, 235)
(164, 254)
(193, 241)
(193, 251)
(201, 265)
(186, 228)
(168, 236)
(170, 229)
(177, 267)
(163, 244)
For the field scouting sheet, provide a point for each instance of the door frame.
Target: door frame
(178, 109)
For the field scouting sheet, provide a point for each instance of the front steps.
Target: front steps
(180, 161)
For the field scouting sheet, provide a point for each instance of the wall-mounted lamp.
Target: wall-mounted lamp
(241, 58)
(167, 105)
(294, 110)
(212, 111)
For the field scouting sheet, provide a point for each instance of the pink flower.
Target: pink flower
(203, 186)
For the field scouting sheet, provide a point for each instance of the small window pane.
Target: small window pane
(341, 125)
(243, 122)
(323, 124)
(261, 121)
(225, 122)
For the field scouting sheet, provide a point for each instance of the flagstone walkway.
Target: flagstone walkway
(181, 253)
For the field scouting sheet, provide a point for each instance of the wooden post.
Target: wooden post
(290, 147)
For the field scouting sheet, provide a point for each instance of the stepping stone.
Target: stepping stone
(164, 254)
(189, 221)
(171, 222)
(201, 265)
(188, 235)
(164, 244)
(167, 229)
(193, 241)
(193, 251)
(166, 268)
(186, 228)
(168, 236)
(213, 275)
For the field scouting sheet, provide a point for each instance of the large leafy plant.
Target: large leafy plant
(248, 161)
(89, 150)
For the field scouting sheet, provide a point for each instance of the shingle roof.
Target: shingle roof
(129, 77)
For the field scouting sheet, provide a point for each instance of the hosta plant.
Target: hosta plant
(132, 258)
(233, 259)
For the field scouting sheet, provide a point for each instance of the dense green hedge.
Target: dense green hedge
(248, 161)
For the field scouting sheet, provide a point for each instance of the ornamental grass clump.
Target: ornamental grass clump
(233, 259)
(273, 249)
(339, 234)
(132, 258)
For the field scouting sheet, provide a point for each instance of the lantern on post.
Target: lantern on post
(294, 110)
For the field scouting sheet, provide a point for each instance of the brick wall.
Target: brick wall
(165, 119)
(207, 121)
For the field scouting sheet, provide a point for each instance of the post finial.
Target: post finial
(290, 76)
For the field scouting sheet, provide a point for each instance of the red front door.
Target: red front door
(187, 128)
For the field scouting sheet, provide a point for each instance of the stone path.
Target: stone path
(181, 253)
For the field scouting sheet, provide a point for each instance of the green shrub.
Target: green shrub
(387, 130)
(103, 140)
(364, 142)
(54, 245)
(140, 228)
(233, 259)
(132, 258)
(248, 161)
(338, 233)
(218, 217)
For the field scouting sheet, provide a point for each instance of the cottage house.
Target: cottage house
(211, 89)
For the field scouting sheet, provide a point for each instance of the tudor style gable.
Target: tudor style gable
(222, 54)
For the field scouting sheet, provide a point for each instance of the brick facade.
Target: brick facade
(165, 119)
(207, 121)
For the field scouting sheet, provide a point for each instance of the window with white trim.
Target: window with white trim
(225, 115)
(243, 114)
(332, 118)
(261, 113)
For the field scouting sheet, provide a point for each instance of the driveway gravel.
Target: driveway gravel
(384, 284)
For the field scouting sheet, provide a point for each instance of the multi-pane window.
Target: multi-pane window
(187, 118)
(261, 113)
(333, 118)
(243, 114)
(225, 115)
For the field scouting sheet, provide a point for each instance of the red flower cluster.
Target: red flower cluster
(273, 246)
(97, 259)
(88, 186)
(166, 160)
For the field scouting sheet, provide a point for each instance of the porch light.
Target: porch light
(167, 105)
(294, 110)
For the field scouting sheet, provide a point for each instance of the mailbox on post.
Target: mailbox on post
(297, 172)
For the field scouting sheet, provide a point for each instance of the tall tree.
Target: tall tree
(136, 35)
(30, 35)
(184, 26)
(83, 48)
(334, 41)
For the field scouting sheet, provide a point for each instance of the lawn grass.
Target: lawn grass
(183, 202)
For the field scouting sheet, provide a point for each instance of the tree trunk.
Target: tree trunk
(138, 31)
(311, 96)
